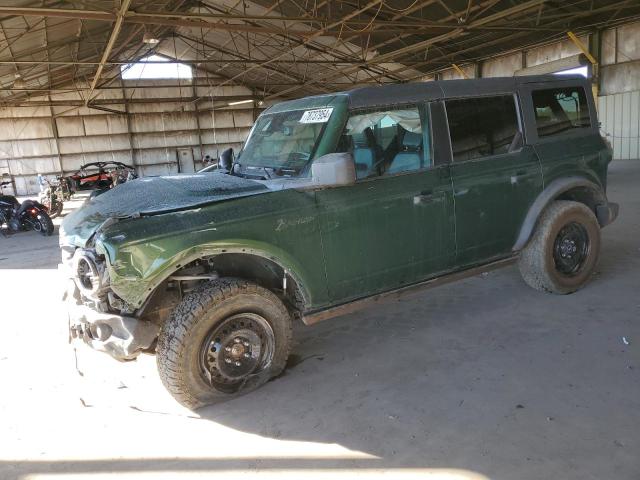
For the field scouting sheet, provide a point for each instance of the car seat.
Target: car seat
(410, 157)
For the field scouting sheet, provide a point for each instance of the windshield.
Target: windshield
(286, 141)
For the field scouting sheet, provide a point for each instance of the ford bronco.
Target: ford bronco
(336, 201)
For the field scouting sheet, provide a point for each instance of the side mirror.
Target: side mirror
(225, 162)
(333, 169)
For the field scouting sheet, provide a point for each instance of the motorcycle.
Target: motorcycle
(64, 188)
(53, 198)
(28, 215)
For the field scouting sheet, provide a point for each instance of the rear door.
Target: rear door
(564, 130)
(395, 226)
(496, 176)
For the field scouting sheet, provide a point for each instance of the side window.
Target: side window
(559, 110)
(483, 126)
(387, 141)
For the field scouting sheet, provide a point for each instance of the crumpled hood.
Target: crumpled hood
(152, 196)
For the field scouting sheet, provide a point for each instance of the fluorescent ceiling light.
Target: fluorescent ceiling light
(584, 71)
(239, 102)
(150, 39)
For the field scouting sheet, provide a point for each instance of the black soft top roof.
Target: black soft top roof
(402, 93)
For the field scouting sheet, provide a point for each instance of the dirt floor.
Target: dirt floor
(481, 379)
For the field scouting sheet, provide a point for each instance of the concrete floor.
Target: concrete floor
(481, 379)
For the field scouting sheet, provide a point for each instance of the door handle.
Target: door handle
(425, 197)
(519, 175)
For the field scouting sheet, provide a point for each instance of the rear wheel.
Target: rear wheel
(224, 339)
(564, 249)
(43, 224)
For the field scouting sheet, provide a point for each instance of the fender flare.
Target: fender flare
(265, 251)
(548, 195)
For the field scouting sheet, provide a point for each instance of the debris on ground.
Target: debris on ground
(75, 356)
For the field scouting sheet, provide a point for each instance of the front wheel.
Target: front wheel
(224, 339)
(56, 209)
(564, 249)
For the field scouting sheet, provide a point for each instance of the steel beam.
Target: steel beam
(124, 6)
(121, 101)
(395, 54)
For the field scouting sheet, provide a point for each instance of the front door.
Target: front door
(395, 226)
(496, 177)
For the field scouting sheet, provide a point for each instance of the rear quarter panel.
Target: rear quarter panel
(581, 152)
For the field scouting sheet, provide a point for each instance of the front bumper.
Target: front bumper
(122, 337)
(607, 213)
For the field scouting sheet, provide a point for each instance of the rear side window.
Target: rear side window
(483, 126)
(559, 110)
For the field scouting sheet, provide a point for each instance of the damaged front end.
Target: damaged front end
(96, 314)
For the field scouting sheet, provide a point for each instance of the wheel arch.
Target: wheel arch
(265, 265)
(577, 189)
(265, 270)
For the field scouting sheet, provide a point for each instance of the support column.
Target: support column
(595, 47)
(198, 127)
(132, 153)
(56, 137)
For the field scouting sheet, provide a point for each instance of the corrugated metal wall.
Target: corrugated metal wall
(620, 123)
(53, 140)
(619, 105)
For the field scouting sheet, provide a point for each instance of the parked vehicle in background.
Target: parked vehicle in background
(64, 188)
(54, 195)
(334, 202)
(223, 164)
(101, 176)
(28, 215)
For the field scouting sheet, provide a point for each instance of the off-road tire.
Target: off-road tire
(183, 334)
(536, 262)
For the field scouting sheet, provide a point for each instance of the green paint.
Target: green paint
(345, 242)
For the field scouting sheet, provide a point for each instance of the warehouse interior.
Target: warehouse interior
(161, 84)
(65, 102)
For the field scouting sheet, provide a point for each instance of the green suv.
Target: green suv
(335, 202)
